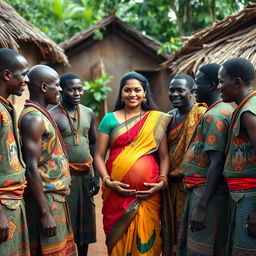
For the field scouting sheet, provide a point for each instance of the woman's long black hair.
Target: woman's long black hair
(149, 105)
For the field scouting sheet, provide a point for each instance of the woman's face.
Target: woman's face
(133, 93)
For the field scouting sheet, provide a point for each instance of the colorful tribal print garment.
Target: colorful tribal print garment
(240, 173)
(54, 171)
(12, 183)
(211, 134)
(174, 197)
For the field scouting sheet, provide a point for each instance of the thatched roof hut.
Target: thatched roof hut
(111, 23)
(232, 37)
(121, 49)
(15, 31)
(18, 34)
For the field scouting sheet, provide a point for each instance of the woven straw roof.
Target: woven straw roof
(232, 37)
(15, 30)
(114, 24)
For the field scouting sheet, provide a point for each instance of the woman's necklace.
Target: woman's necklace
(133, 141)
(72, 120)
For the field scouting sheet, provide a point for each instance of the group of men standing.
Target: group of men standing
(55, 150)
(212, 187)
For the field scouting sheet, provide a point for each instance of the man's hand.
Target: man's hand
(94, 186)
(251, 223)
(198, 219)
(4, 227)
(48, 225)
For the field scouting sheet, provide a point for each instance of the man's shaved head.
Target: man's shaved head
(39, 74)
(44, 84)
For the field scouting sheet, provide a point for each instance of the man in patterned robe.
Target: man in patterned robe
(47, 169)
(186, 116)
(13, 225)
(236, 85)
(204, 226)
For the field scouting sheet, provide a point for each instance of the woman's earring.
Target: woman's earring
(144, 100)
(122, 101)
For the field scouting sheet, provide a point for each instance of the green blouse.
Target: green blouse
(107, 123)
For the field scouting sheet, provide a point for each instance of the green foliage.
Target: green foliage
(174, 45)
(164, 20)
(96, 92)
(59, 19)
(98, 35)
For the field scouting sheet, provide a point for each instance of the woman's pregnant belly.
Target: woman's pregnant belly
(145, 169)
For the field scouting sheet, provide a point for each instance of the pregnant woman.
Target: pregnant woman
(135, 171)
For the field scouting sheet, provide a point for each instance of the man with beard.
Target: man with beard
(204, 226)
(186, 116)
(47, 168)
(13, 225)
(76, 124)
(236, 85)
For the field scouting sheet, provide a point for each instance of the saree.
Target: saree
(132, 226)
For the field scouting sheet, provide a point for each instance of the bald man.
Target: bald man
(13, 226)
(47, 168)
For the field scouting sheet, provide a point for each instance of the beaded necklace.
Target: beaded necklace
(72, 120)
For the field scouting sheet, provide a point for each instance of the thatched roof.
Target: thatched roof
(232, 37)
(15, 30)
(112, 24)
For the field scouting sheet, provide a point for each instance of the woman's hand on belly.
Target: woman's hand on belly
(120, 188)
(153, 189)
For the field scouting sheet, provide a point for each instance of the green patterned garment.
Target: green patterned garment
(12, 183)
(55, 171)
(241, 163)
(241, 157)
(211, 134)
(12, 167)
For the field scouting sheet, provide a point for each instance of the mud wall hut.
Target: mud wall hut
(121, 50)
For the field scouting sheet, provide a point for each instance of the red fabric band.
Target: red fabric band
(241, 183)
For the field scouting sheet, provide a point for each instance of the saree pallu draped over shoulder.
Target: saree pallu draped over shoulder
(133, 226)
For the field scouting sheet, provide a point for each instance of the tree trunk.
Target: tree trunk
(178, 20)
(189, 13)
(212, 10)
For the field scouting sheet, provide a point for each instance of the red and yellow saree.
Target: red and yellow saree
(133, 226)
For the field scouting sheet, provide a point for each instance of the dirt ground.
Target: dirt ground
(98, 248)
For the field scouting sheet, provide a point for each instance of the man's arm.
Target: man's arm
(199, 214)
(95, 182)
(248, 122)
(32, 129)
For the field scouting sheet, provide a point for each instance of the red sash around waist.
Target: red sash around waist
(241, 183)
(192, 182)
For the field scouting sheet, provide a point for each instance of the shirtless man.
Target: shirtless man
(76, 124)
